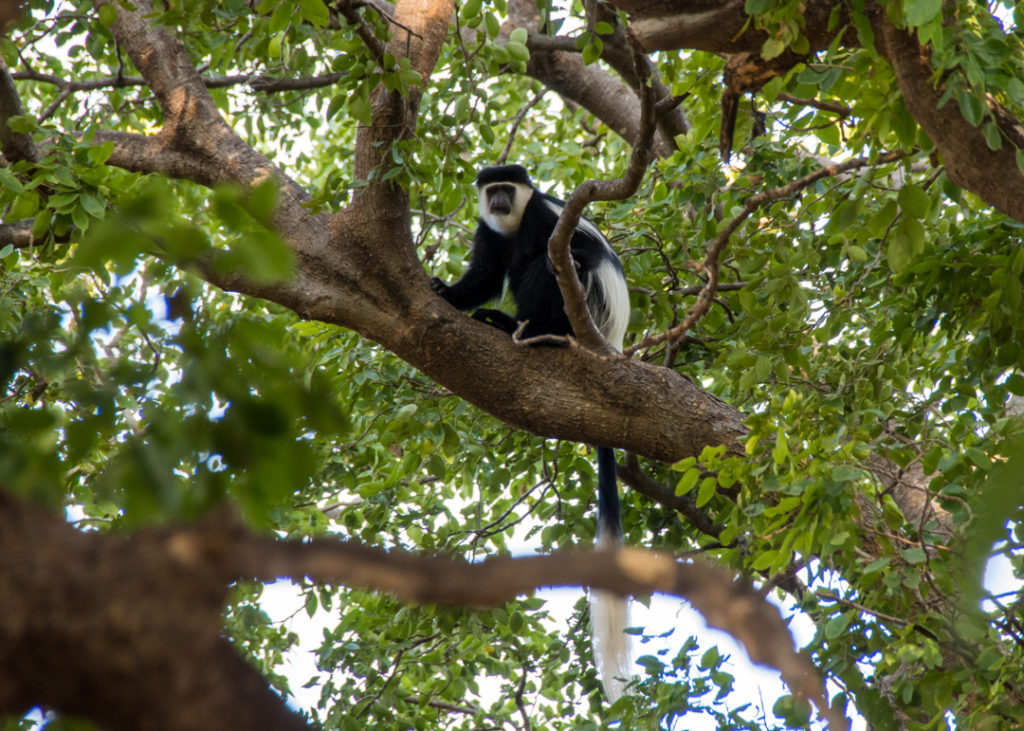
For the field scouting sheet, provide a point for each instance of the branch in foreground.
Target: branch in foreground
(730, 605)
(76, 609)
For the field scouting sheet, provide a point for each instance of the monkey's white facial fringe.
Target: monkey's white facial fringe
(609, 617)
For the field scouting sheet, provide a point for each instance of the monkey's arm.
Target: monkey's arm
(483, 279)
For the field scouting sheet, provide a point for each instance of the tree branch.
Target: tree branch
(558, 245)
(159, 594)
(15, 145)
(993, 175)
(717, 245)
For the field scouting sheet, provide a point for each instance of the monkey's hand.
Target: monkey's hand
(439, 287)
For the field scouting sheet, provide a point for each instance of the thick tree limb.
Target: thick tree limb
(992, 175)
(15, 145)
(719, 26)
(139, 618)
(126, 632)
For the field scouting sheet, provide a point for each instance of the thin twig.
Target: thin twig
(710, 264)
(520, 116)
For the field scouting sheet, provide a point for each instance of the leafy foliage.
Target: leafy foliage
(873, 314)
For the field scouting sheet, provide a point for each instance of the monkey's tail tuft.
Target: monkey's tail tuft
(609, 613)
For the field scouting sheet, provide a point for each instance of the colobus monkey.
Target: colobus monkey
(511, 243)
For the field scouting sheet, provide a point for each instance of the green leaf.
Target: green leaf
(9, 181)
(857, 253)
(492, 24)
(914, 555)
(900, 252)
(282, 16)
(919, 12)
(108, 14)
(470, 9)
(914, 201)
(651, 665)
(708, 489)
(781, 449)
(837, 625)
(754, 7)
(315, 11)
(359, 107)
(22, 123)
(845, 216)
(993, 137)
(1015, 384)
(971, 107)
(687, 481)
(518, 51)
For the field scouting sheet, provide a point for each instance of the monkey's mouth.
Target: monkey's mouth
(501, 207)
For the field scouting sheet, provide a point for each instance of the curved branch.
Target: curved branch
(558, 245)
(992, 175)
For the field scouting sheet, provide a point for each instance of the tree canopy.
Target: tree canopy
(222, 362)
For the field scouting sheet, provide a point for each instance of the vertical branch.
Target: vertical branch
(592, 190)
(15, 145)
(420, 30)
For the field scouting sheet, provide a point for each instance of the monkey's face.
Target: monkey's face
(500, 197)
(502, 206)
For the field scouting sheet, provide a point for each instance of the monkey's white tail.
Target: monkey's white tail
(609, 617)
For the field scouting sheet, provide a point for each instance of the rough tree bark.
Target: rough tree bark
(358, 269)
(718, 26)
(127, 631)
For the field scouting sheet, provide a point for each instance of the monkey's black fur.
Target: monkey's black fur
(521, 255)
(511, 243)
